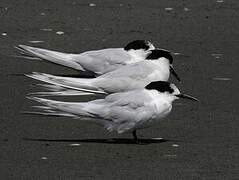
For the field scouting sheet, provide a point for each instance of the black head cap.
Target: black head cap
(161, 86)
(158, 53)
(138, 44)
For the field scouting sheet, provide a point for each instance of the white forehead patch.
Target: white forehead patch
(176, 90)
(151, 46)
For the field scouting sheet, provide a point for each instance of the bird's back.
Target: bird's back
(103, 61)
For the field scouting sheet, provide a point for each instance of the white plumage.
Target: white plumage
(121, 112)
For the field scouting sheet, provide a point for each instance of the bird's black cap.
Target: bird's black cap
(158, 53)
(161, 86)
(137, 44)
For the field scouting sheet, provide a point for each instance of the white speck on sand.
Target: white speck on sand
(222, 79)
(217, 55)
(46, 29)
(175, 145)
(43, 14)
(44, 158)
(186, 9)
(36, 42)
(75, 144)
(4, 34)
(220, 1)
(60, 32)
(169, 9)
(92, 4)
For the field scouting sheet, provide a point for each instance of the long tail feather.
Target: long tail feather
(80, 84)
(60, 114)
(69, 109)
(52, 106)
(64, 59)
(68, 92)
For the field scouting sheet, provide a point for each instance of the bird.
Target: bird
(121, 112)
(97, 62)
(156, 67)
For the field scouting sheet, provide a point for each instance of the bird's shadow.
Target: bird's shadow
(102, 141)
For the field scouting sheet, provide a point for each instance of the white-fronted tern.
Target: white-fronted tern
(99, 61)
(120, 112)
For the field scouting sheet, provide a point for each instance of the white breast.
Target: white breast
(160, 108)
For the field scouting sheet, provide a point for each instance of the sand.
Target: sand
(200, 141)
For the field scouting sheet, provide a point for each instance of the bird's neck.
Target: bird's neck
(162, 62)
(137, 55)
(162, 97)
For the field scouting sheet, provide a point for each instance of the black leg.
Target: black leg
(135, 136)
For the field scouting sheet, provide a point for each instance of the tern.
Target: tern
(120, 112)
(98, 61)
(156, 67)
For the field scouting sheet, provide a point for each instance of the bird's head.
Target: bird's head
(168, 89)
(164, 56)
(139, 48)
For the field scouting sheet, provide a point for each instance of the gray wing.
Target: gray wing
(103, 61)
(129, 110)
(139, 69)
(122, 107)
(132, 76)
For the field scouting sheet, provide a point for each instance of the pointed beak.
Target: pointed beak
(185, 96)
(174, 73)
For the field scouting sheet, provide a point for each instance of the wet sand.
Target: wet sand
(200, 141)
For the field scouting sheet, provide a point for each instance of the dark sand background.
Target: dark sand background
(207, 133)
